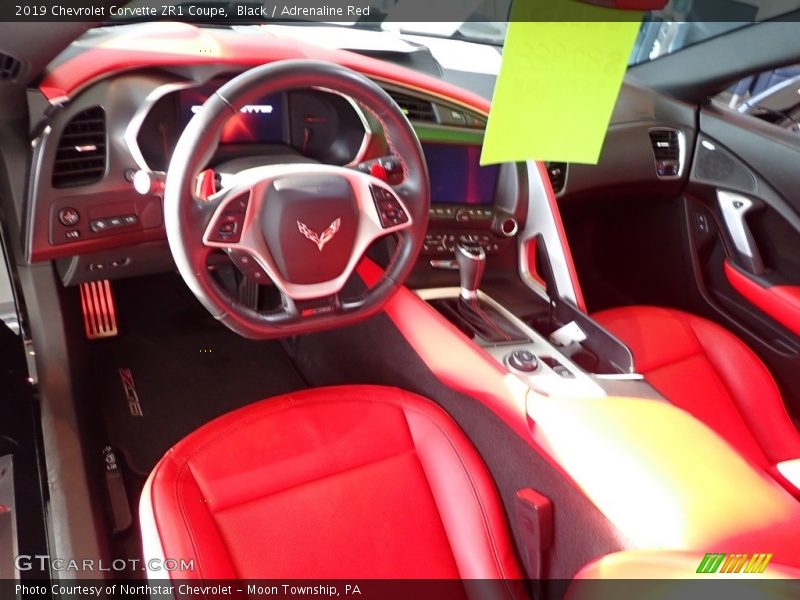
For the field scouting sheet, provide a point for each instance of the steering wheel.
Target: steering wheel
(303, 226)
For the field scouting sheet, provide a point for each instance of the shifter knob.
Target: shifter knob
(471, 261)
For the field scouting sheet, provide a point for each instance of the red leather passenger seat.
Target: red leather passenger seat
(707, 371)
(346, 482)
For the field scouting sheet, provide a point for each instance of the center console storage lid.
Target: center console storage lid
(665, 479)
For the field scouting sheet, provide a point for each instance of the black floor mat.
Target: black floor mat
(185, 368)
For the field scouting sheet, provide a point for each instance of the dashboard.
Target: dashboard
(85, 212)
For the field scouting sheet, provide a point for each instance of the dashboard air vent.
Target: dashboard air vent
(667, 151)
(415, 109)
(81, 154)
(557, 172)
(665, 144)
(10, 67)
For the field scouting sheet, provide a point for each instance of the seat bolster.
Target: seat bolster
(468, 504)
(752, 387)
(188, 533)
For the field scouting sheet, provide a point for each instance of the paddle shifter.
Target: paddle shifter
(471, 261)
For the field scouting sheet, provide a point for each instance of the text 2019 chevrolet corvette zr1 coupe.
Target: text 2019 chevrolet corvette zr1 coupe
(267, 319)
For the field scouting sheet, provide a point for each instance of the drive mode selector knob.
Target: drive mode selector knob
(523, 360)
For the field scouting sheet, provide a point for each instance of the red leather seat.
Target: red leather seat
(347, 482)
(707, 371)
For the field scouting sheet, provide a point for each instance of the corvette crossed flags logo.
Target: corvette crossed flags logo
(317, 239)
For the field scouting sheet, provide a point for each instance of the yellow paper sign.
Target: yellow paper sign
(557, 86)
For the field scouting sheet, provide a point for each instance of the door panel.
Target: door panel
(752, 167)
(743, 218)
(781, 302)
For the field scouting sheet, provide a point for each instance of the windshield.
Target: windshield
(679, 25)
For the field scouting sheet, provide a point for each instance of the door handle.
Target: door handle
(735, 209)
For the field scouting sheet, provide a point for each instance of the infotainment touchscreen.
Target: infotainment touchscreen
(456, 175)
(260, 122)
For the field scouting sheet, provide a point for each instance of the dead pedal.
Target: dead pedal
(99, 311)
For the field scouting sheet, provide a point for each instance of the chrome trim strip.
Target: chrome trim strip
(368, 132)
(735, 209)
(619, 376)
(136, 122)
(541, 221)
(38, 146)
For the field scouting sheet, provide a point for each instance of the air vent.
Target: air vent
(415, 109)
(10, 67)
(557, 172)
(667, 151)
(81, 155)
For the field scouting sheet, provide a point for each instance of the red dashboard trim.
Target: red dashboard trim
(183, 44)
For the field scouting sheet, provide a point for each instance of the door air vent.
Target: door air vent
(416, 109)
(557, 172)
(81, 155)
(10, 67)
(668, 151)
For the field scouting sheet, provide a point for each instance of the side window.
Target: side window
(773, 96)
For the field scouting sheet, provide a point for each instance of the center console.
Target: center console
(464, 202)
(480, 224)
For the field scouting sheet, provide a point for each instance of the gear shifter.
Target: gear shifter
(489, 325)
(471, 261)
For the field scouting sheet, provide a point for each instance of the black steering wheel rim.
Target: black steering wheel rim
(188, 216)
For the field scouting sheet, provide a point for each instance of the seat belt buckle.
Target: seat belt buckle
(535, 519)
